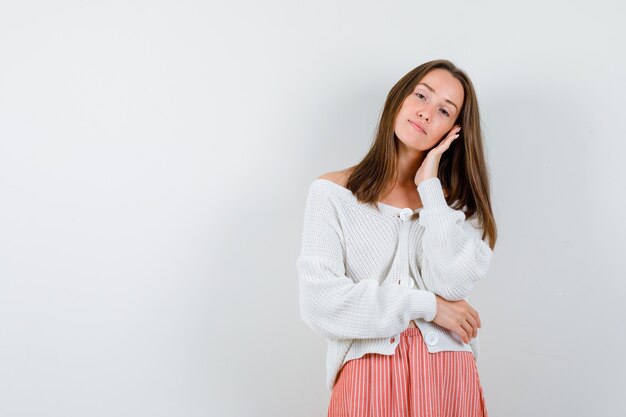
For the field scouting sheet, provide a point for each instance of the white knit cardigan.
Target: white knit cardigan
(364, 273)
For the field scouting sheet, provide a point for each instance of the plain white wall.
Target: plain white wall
(154, 162)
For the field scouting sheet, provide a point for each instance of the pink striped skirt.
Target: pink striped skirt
(410, 383)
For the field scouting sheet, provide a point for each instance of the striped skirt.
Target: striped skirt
(410, 383)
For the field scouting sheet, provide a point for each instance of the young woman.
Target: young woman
(391, 249)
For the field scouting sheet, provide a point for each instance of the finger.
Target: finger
(445, 144)
(476, 316)
(467, 331)
(474, 326)
(475, 320)
(462, 333)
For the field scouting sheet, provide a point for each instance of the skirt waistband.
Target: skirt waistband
(411, 331)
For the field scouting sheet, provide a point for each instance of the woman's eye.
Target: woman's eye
(420, 95)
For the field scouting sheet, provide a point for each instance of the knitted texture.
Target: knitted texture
(364, 273)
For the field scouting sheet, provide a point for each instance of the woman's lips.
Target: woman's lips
(417, 127)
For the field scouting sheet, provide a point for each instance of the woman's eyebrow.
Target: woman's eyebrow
(431, 89)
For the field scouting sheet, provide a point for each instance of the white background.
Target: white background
(154, 162)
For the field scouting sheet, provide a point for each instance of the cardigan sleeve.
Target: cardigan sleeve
(454, 255)
(333, 304)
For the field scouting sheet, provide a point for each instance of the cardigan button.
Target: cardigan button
(393, 339)
(431, 338)
(406, 214)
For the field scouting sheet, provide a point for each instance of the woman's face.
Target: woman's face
(434, 105)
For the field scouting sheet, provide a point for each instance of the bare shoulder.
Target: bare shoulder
(338, 177)
(341, 178)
